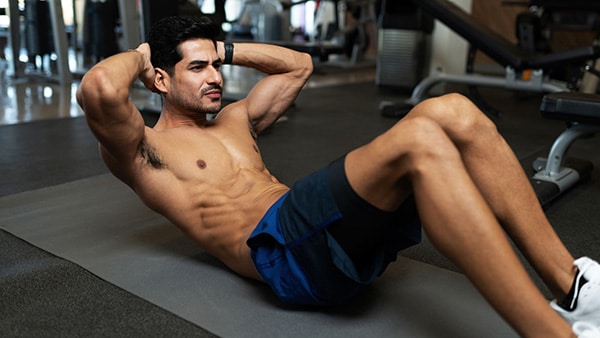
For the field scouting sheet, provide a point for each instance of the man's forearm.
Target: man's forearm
(269, 59)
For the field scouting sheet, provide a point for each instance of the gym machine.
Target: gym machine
(269, 21)
(404, 44)
(46, 16)
(524, 71)
(59, 43)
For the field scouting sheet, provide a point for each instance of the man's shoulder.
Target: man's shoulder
(237, 109)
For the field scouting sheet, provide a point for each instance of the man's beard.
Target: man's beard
(196, 105)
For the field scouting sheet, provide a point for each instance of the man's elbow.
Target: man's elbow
(89, 82)
(305, 65)
(95, 88)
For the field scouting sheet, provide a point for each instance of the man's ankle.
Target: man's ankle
(569, 302)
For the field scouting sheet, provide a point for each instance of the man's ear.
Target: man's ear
(161, 80)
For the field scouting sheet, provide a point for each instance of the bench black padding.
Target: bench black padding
(571, 107)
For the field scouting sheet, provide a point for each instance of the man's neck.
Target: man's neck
(168, 121)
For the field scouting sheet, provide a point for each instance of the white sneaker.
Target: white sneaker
(588, 300)
(586, 330)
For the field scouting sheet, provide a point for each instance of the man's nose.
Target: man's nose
(214, 76)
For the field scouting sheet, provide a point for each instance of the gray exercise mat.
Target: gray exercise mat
(100, 224)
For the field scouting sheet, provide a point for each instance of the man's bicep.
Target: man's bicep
(269, 99)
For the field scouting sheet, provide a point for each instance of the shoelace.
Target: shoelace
(586, 330)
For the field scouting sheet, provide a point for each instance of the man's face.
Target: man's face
(197, 82)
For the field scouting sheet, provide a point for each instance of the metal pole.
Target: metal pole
(74, 34)
(130, 22)
(15, 39)
(60, 42)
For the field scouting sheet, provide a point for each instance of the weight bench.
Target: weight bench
(504, 52)
(555, 174)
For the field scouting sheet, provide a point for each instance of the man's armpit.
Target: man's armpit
(150, 156)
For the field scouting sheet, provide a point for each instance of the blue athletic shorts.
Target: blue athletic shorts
(302, 262)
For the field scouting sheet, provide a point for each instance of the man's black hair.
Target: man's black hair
(166, 35)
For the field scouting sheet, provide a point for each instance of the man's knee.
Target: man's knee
(456, 114)
(424, 140)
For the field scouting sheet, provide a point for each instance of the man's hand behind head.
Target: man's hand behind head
(147, 76)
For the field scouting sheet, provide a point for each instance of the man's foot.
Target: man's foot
(586, 330)
(586, 298)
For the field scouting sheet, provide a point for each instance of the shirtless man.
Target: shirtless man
(334, 231)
